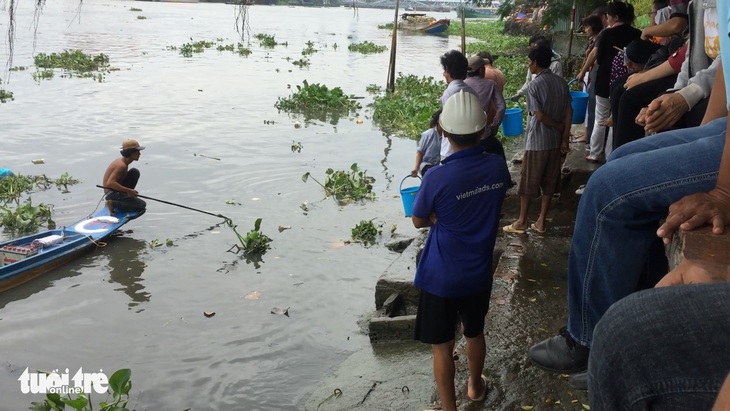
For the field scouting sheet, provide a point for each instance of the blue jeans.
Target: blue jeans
(615, 250)
(662, 349)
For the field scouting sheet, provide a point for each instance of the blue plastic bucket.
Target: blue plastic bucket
(408, 195)
(579, 104)
(5, 172)
(512, 122)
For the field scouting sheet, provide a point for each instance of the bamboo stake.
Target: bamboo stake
(390, 86)
(463, 29)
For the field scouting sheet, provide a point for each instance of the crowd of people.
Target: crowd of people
(638, 335)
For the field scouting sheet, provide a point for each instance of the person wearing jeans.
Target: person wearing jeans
(615, 251)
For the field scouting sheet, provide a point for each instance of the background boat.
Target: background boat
(422, 22)
(478, 12)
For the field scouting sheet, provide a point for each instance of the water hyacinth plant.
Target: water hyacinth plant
(366, 232)
(318, 101)
(366, 47)
(346, 186)
(407, 111)
(74, 63)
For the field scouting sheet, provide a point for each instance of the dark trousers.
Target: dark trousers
(626, 104)
(122, 201)
(492, 145)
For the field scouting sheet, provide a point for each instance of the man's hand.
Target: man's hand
(132, 192)
(414, 172)
(696, 272)
(696, 210)
(664, 112)
(514, 98)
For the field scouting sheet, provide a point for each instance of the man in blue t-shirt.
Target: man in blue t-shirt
(460, 201)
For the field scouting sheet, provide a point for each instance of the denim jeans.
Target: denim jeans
(662, 349)
(615, 251)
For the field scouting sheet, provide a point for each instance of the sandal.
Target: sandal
(512, 229)
(484, 393)
(534, 228)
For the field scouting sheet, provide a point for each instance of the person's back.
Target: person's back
(548, 93)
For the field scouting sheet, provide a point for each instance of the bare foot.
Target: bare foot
(109, 207)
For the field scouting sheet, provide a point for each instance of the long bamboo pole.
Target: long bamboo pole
(390, 86)
(463, 29)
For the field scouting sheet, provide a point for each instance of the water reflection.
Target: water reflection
(126, 268)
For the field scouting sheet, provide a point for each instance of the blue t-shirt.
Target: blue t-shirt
(466, 193)
(723, 15)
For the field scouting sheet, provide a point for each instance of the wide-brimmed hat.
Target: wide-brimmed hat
(130, 144)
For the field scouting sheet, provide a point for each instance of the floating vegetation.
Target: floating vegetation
(374, 89)
(73, 63)
(407, 111)
(119, 386)
(302, 62)
(135, 9)
(366, 232)
(346, 186)
(45, 74)
(318, 101)
(188, 49)
(366, 47)
(309, 50)
(25, 217)
(296, 146)
(141, 18)
(254, 243)
(18, 68)
(157, 243)
(5, 95)
(268, 40)
(388, 26)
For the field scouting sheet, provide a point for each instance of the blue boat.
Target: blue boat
(26, 258)
(438, 26)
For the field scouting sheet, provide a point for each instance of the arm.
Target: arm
(663, 70)
(543, 118)
(590, 60)
(717, 106)
(674, 25)
(115, 177)
(700, 85)
(500, 107)
(523, 90)
(723, 397)
(419, 222)
(419, 159)
(714, 206)
(567, 121)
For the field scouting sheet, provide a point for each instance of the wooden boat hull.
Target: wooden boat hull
(82, 236)
(438, 27)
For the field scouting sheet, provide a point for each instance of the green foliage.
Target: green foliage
(318, 101)
(309, 50)
(135, 9)
(296, 146)
(302, 62)
(141, 18)
(18, 68)
(387, 26)
(25, 217)
(407, 111)
(255, 242)
(366, 232)
(119, 383)
(73, 63)
(188, 49)
(490, 36)
(268, 40)
(45, 74)
(5, 95)
(373, 89)
(346, 186)
(366, 47)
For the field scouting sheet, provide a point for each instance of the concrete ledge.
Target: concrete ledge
(392, 329)
(398, 277)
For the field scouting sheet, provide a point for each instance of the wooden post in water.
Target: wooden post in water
(390, 86)
(463, 29)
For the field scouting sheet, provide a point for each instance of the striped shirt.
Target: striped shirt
(549, 94)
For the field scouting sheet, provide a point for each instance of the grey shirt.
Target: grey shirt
(549, 94)
(454, 87)
(430, 146)
(488, 93)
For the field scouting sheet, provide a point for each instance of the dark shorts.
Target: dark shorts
(540, 173)
(438, 317)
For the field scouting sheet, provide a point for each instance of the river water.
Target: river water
(130, 305)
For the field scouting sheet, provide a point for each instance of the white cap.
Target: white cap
(463, 114)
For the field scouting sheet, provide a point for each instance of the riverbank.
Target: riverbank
(528, 304)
